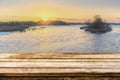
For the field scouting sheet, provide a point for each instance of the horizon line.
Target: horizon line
(68, 19)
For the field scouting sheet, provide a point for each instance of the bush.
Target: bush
(98, 25)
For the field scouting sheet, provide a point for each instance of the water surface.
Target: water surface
(60, 39)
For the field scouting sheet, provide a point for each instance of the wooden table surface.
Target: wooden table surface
(60, 64)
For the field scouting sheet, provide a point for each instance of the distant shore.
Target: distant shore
(21, 26)
(15, 26)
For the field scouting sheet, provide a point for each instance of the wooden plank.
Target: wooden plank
(61, 60)
(58, 55)
(24, 64)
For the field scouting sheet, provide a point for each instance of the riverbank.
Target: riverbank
(12, 28)
(15, 26)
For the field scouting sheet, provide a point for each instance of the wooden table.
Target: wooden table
(59, 66)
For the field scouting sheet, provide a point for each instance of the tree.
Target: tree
(98, 25)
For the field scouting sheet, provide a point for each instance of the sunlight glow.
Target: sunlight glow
(45, 19)
(68, 10)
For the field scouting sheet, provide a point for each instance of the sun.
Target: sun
(45, 19)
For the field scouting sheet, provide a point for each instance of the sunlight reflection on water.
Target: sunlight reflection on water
(60, 39)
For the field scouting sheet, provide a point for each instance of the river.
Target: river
(60, 39)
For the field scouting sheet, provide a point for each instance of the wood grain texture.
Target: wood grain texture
(60, 66)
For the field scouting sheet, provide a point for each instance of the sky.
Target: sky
(62, 9)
